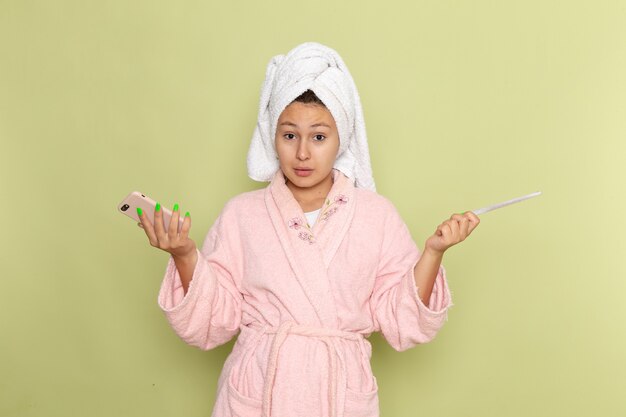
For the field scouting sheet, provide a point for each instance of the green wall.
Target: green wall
(466, 104)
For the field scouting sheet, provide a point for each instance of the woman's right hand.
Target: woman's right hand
(177, 244)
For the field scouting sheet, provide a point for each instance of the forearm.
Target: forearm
(186, 266)
(425, 273)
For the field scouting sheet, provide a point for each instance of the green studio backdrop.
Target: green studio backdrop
(466, 104)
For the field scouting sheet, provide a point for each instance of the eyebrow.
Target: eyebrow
(295, 125)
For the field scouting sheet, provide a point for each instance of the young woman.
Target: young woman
(308, 267)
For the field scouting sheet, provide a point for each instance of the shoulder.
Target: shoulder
(243, 199)
(246, 204)
(374, 203)
(238, 213)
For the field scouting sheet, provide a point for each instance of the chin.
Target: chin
(303, 182)
(306, 182)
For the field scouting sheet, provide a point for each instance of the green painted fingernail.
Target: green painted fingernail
(158, 206)
(187, 214)
(176, 207)
(139, 210)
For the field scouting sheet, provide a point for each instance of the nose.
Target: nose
(303, 151)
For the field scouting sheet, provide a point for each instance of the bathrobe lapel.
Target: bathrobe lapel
(310, 250)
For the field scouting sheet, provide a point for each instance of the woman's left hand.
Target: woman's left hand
(452, 231)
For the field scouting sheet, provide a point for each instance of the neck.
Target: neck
(311, 198)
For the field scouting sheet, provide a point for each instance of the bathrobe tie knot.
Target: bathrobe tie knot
(327, 335)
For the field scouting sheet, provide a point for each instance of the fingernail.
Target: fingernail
(176, 207)
(139, 210)
(158, 206)
(187, 214)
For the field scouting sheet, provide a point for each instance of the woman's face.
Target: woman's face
(307, 143)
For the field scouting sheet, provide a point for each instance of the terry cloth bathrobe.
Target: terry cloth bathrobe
(304, 300)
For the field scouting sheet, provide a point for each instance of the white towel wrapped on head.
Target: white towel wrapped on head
(311, 66)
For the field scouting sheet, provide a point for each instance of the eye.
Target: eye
(289, 134)
(323, 137)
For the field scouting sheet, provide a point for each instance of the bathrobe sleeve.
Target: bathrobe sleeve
(210, 313)
(397, 310)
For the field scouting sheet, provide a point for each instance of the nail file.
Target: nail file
(505, 203)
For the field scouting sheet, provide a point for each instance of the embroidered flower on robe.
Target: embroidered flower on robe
(341, 199)
(330, 209)
(295, 223)
(306, 236)
(327, 214)
(327, 210)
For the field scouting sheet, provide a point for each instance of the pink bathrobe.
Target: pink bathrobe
(304, 300)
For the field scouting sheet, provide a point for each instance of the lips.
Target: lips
(303, 172)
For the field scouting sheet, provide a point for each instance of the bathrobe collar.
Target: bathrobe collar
(311, 249)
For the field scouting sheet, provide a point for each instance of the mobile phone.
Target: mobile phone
(129, 205)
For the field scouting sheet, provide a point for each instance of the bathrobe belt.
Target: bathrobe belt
(327, 335)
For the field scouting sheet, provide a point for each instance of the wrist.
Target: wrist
(189, 257)
(433, 252)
